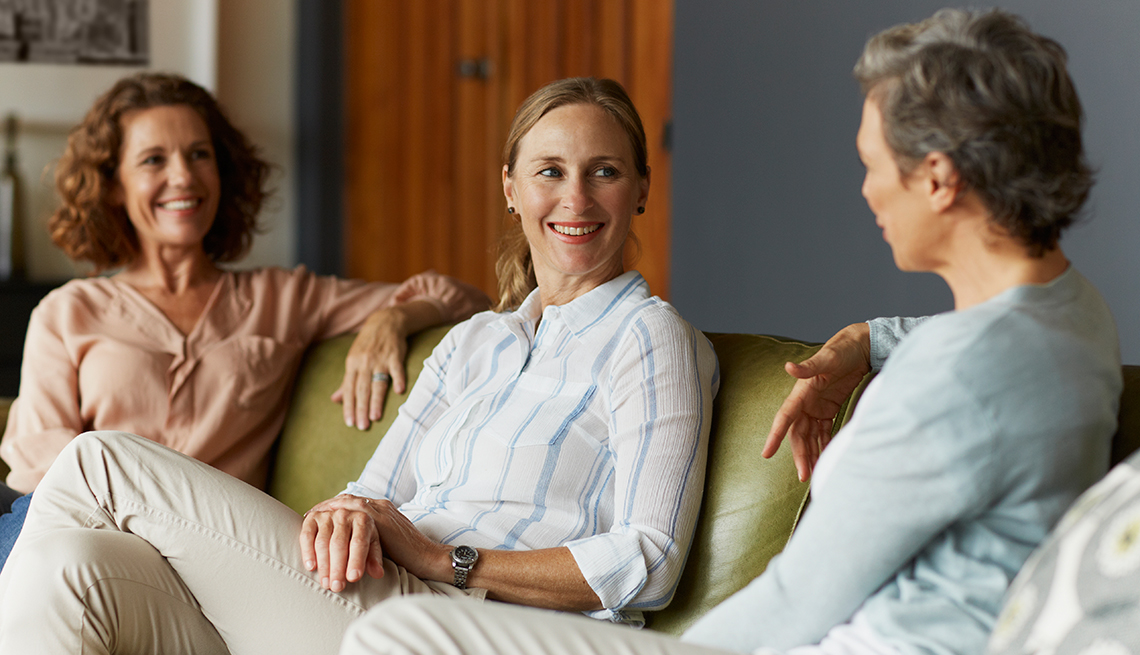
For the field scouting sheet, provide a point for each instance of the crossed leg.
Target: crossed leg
(158, 550)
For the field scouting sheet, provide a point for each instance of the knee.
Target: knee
(98, 441)
(70, 552)
(90, 451)
(97, 444)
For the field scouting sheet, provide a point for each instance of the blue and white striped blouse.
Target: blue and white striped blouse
(590, 433)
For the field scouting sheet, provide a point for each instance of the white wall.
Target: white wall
(241, 49)
(255, 86)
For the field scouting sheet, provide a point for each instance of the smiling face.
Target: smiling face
(901, 203)
(167, 180)
(575, 187)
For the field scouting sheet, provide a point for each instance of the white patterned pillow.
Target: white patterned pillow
(1079, 592)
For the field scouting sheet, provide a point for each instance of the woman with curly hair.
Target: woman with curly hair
(157, 183)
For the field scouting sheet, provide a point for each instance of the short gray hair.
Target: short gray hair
(996, 98)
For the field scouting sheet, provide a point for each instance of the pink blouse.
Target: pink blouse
(99, 355)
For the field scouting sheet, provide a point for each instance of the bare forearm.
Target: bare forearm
(858, 338)
(548, 578)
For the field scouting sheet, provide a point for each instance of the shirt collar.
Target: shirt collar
(588, 310)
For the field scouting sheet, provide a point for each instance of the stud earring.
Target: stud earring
(641, 210)
(510, 210)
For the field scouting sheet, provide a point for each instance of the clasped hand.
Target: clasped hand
(347, 536)
(824, 381)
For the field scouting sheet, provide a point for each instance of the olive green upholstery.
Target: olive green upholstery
(1127, 439)
(318, 454)
(750, 506)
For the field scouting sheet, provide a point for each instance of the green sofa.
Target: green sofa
(750, 506)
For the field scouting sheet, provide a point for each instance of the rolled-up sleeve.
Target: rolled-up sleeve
(46, 416)
(339, 305)
(886, 333)
(456, 300)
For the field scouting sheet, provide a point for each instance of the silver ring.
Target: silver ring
(381, 377)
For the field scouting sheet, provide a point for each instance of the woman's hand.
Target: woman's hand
(824, 381)
(375, 362)
(345, 537)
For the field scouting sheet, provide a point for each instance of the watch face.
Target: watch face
(464, 555)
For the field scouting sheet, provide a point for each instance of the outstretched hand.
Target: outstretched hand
(824, 382)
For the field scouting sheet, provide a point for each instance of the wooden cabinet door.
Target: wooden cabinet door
(431, 87)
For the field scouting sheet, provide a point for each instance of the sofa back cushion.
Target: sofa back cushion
(317, 454)
(751, 504)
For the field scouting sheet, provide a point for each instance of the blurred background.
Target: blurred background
(385, 119)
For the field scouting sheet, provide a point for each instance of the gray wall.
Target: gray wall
(770, 233)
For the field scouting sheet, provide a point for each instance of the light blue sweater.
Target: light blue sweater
(981, 429)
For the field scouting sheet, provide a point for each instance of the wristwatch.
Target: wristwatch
(463, 559)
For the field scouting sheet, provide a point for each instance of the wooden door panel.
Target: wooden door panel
(651, 87)
(477, 215)
(424, 142)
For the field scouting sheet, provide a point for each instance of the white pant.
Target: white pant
(424, 625)
(130, 547)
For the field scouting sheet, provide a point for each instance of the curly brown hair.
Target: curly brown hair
(86, 226)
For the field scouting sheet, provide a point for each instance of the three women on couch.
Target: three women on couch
(983, 425)
(549, 455)
(156, 182)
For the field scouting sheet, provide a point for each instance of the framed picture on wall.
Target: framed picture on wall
(57, 56)
(101, 32)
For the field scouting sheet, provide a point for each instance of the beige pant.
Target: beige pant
(426, 625)
(130, 547)
(411, 625)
